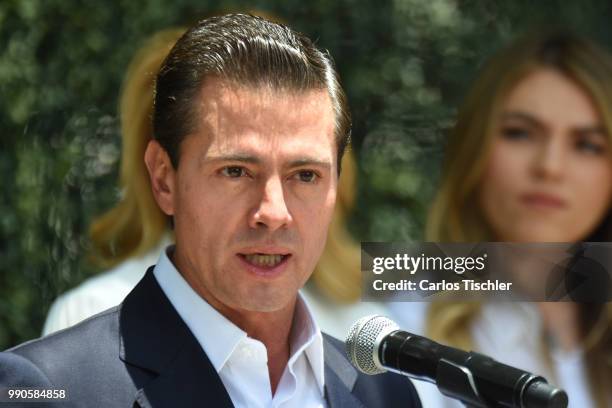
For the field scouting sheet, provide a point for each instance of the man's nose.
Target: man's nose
(550, 159)
(271, 210)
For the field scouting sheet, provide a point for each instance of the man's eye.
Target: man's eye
(234, 171)
(306, 176)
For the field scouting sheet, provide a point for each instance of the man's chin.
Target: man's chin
(267, 301)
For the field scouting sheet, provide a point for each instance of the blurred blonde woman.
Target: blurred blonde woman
(530, 160)
(129, 237)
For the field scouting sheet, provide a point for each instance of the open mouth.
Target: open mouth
(264, 260)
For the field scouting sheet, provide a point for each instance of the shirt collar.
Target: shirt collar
(202, 319)
(306, 338)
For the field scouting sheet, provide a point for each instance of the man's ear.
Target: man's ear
(162, 176)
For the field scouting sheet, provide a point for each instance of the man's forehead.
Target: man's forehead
(218, 95)
(235, 115)
(229, 108)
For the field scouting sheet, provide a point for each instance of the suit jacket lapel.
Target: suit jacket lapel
(189, 381)
(174, 370)
(340, 378)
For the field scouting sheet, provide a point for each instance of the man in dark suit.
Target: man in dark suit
(250, 125)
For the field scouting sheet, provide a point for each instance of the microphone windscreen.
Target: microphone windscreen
(363, 340)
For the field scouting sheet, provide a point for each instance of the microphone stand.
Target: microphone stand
(457, 381)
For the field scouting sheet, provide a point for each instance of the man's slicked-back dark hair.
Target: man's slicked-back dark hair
(244, 50)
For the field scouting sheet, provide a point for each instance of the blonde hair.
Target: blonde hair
(136, 224)
(454, 218)
(338, 273)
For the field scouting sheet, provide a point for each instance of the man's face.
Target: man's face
(253, 194)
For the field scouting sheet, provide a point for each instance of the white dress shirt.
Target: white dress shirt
(241, 361)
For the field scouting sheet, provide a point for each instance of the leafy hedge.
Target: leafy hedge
(404, 63)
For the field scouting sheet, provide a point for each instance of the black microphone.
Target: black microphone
(375, 345)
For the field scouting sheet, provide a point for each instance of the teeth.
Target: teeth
(264, 260)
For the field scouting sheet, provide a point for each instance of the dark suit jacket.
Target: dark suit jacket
(141, 353)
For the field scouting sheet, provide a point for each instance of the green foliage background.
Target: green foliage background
(404, 63)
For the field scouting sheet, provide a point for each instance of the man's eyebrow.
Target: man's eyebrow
(250, 159)
(241, 158)
(307, 161)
